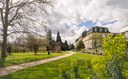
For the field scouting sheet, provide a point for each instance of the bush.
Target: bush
(71, 72)
(111, 65)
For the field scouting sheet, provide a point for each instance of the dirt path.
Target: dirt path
(10, 69)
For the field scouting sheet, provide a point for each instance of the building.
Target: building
(77, 41)
(94, 37)
(124, 31)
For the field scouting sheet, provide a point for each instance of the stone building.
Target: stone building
(93, 38)
(124, 31)
(77, 41)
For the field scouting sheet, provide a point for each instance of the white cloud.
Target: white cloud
(70, 12)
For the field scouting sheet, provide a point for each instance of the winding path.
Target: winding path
(14, 68)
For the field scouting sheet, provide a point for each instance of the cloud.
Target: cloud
(68, 14)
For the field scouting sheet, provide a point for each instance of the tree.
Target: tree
(71, 47)
(58, 42)
(34, 42)
(80, 45)
(49, 37)
(19, 44)
(66, 45)
(9, 49)
(63, 46)
(58, 39)
(50, 40)
(20, 15)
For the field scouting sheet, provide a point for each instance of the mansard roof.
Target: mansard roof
(97, 29)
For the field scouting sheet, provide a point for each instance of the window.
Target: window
(105, 30)
(100, 29)
(95, 29)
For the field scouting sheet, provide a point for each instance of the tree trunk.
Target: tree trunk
(5, 28)
(4, 44)
(2, 61)
(35, 52)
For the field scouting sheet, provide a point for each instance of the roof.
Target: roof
(98, 29)
(124, 29)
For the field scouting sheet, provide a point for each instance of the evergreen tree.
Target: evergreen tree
(49, 37)
(71, 46)
(58, 39)
(58, 42)
(63, 46)
(66, 45)
(80, 45)
(52, 43)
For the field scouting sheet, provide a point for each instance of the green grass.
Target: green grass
(50, 70)
(18, 58)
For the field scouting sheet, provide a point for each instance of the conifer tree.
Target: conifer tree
(66, 45)
(49, 36)
(71, 46)
(58, 39)
(58, 42)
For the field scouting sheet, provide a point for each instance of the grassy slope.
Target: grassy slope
(18, 58)
(49, 70)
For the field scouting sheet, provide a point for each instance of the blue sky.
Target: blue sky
(91, 23)
(88, 23)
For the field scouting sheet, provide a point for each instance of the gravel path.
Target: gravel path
(14, 68)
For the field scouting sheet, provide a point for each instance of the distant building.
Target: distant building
(94, 37)
(124, 31)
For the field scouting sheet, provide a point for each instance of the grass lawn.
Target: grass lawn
(17, 58)
(50, 70)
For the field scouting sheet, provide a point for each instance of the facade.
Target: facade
(77, 41)
(125, 34)
(93, 38)
(124, 31)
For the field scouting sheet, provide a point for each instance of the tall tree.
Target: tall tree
(63, 46)
(49, 36)
(66, 45)
(58, 42)
(58, 39)
(20, 15)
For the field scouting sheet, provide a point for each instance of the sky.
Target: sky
(72, 17)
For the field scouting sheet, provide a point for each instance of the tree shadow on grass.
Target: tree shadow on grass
(2, 61)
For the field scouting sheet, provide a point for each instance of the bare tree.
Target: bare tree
(21, 16)
(34, 42)
(19, 44)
